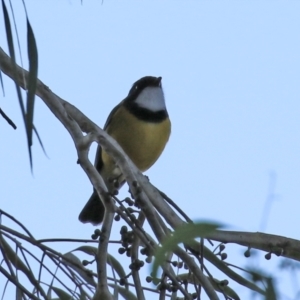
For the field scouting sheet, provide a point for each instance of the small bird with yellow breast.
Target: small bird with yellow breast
(141, 126)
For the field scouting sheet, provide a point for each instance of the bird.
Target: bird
(141, 126)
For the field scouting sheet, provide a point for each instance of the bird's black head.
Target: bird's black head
(146, 100)
(147, 81)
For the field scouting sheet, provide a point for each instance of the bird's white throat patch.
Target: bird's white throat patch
(151, 98)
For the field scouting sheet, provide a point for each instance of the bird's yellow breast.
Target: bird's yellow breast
(142, 141)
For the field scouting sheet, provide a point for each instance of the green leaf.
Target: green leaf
(13, 257)
(32, 77)
(39, 139)
(90, 250)
(184, 234)
(32, 83)
(75, 263)
(114, 263)
(62, 294)
(11, 49)
(125, 293)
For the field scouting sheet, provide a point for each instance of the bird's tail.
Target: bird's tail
(93, 211)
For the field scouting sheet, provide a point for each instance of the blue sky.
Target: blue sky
(230, 73)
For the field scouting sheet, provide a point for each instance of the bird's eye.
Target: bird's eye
(136, 87)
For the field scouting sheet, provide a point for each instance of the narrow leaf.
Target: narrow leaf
(32, 83)
(12, 54)
(14, 258)
(184, 234)
(76, 265)
(90, 250)
(40, 140)
(125, 293)
(11, 48)
(114, 263)
(62, 294)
